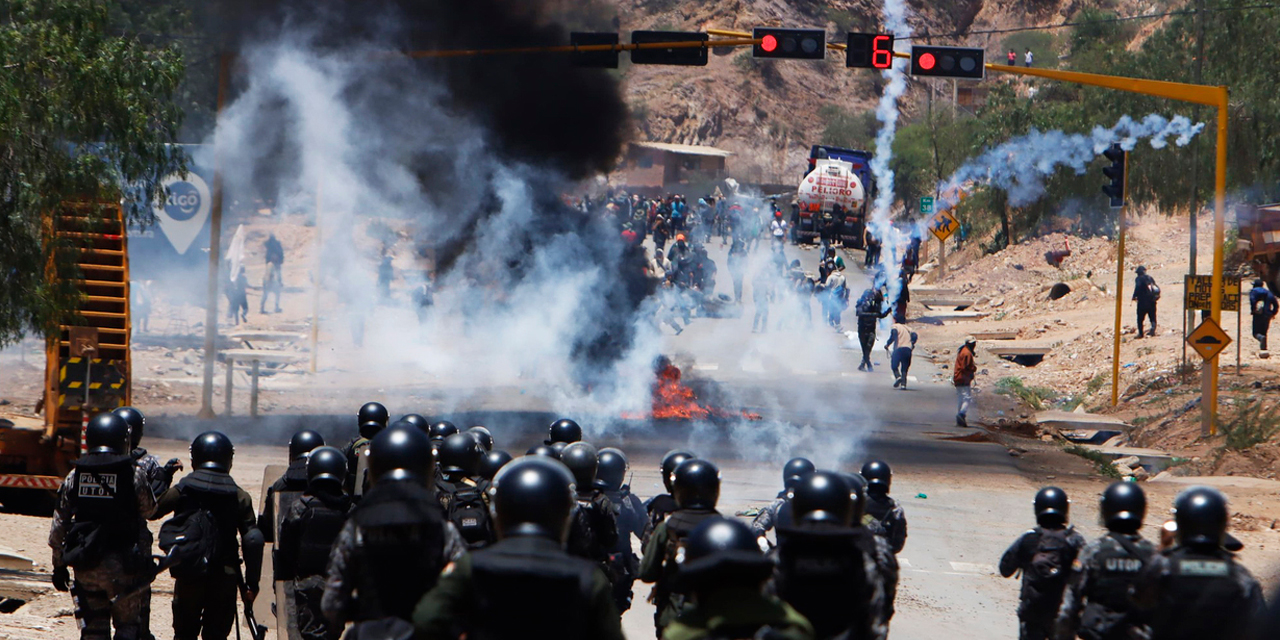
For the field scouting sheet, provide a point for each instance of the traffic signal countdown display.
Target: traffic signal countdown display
(1116, 173)
(869, 51)
(948, 62)
(801, 44)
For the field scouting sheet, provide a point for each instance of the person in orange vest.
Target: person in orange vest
(962, 378)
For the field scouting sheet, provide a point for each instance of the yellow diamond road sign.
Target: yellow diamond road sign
(943, 224)
(1208, 339)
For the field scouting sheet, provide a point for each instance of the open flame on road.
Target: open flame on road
(673, 400)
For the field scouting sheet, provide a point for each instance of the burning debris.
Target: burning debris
(674, 400)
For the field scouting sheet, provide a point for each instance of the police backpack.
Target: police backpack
(469, 513)
(190, 543)
(1047, 572)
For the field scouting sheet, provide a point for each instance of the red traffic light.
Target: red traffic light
(769, 43)
(927, 61)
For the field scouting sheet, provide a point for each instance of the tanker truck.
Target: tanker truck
(836, 178)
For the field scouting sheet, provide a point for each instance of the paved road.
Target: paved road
(964, 500)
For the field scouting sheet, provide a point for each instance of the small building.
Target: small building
(654, 168)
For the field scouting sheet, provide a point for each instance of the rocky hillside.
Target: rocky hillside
(769, 113)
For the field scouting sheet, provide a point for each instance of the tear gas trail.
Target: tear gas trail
(1021, 165)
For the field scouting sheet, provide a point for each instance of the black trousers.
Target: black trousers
(1145, 312)
(866, 339)
(1261, 324)
(204, 607)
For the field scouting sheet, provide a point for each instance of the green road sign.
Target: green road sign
(926, 204)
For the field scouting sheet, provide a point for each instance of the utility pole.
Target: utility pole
(215, 249)
(1189, 319)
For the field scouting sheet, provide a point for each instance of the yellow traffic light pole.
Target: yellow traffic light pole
(1213, 96)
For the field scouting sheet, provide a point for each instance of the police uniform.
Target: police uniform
(477, 531)
(891, 518)
(108, 493)
(631, 518)
(831, 575)
(352, 452)
(1040, 597)
(659, 563)
(307, 534)
(160, 477)
(768, 516)
(390, 552)
(740, 612)
(593, 532)
(658, 508)
(1195, 593)
(205, 606)
(519, 587)
(1096, 603)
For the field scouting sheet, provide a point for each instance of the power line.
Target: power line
(1117, 19)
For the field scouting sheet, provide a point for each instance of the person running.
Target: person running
(966, 367)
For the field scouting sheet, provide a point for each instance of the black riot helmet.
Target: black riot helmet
(533, 496)
(544, 451)
(107, 433)
(878, 475)
(794, 470)
(559, 448)
(483, 437)
(1051, 506)
(326, 465)
(670, 462)
(459, 456)
(370, 428)
(401, 454)
(491, 462)
(582, 460)
(696, 484)
(212, 450)
(564, 430)
(611, 470)
(441, 430)
(721, 551)
(136, 421)
(823, 496)
(372, 412)
(1201, 515)
(857, 493)
(417, 420)
(1123, 507)
(304, 442)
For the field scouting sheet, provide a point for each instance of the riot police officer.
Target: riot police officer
(1197, 589)
(886, 561)
(593, 530)
(491, 463)
(461, 494)
(543, 450)
(886, 511)
(418, 421)
(1044, 555)
(610, 476)
(662, 505)
(563, 430)
(160, 478)
(441, 430)
(1096, 603)
(205, 605)
(525, 585)
(827, 567)
(723, 569)
(307, 533)
(372, 418)
(98, 529)
(394, 545)
(792, 472)
(696, 488)
(483, 437)
(291, 484)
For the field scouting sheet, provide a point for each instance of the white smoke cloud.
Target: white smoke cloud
(1021, 165)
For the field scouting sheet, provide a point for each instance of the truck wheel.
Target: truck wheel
(29, 502)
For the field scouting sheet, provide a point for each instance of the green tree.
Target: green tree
(86, 112)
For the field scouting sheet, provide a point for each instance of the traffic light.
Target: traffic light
(1116, 173)
(948, 62)
(801, 44)
(595, 59)
(869, 51)
(685, 56)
